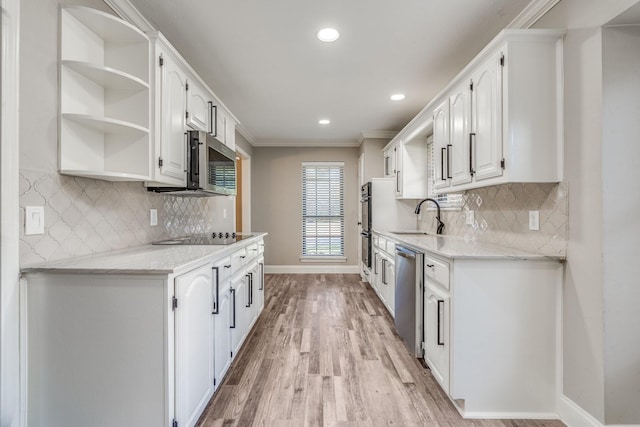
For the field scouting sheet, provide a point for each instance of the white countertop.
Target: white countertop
(146, 259)
(457, 248)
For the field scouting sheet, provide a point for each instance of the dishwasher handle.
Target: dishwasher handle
(405, 253)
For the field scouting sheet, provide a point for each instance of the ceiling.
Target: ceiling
(262, 58)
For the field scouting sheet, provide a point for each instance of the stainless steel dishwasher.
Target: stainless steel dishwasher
(408, 301)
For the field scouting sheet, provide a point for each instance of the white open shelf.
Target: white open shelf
(105, 109)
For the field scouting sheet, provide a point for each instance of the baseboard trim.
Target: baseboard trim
(574, 416)
(311, 269)
(511, 415)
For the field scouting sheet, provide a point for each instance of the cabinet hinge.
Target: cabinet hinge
(174, 423)
(186, 86)
(502, 163)
(161, 60)
(160, 162)
(502, 60)
(187, 114)
(423, 346)
(214, 381)
(174, 303)
(471, 85)
(232, 354)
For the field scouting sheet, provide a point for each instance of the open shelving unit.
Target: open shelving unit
(105, 107)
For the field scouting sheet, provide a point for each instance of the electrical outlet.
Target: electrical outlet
(470, 217)
(224, 213)
(534, 220)
(33, 220)
(153, 217)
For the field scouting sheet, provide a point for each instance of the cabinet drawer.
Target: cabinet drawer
(252, 251)
(391, 248)
(437, 271)
(224, 268)
(261, 247)
(238, 260)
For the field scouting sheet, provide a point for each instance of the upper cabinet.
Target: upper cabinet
(405, 159)
(500, 120)
(104, 97)
(183, 102)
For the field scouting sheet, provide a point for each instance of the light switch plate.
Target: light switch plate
(534, 220)
(153, 217)
(33, 220)
(470, 217)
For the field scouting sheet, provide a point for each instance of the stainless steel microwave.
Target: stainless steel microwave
(211, 168)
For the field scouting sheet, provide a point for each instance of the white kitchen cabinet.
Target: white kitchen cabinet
(441, 146)
(240, 311)
(172, 125)
(105, 113)
(505, 115)
(389, 159)
(387, 282)
(407, 153)
(198, 108)
(436, 326)
(152, 344)
(194, 336)
(487, 334)
(259, 285)
(222, 318)
(230, 133)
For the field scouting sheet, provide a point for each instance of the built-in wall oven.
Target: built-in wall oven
(365, 235)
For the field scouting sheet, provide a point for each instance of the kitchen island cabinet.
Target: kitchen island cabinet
(144, 330)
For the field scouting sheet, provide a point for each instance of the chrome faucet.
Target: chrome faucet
(440, 227)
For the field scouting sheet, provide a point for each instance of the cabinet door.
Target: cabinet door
(460, 134)
(230, 133)
(487, 119)
(441, 146)
(436, 324)
(239, 312)
(259, 285)
(389, 162)
(219, 130)
(391, 287)
(222, 333)
(193, 344)
(173, 139)
(398, 167)
(198, 113)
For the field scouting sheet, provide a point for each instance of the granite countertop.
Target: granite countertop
(146, 259)
(457, 248)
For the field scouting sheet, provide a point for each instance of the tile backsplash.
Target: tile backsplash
(84, 216)
(502, 217)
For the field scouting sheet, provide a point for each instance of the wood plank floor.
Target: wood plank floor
(325, 353)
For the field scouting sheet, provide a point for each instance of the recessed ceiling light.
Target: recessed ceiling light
(328, 35)
(398, 97)
(324, 121)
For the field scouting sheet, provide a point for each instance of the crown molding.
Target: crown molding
(129, 13)
(308, 143)
(245, 133)
(530, 14)
(377, 134)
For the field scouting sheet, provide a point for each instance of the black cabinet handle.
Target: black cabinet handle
(233, 295)
(261, 276)
(449, 160)
(215, 302)
(471, 171)
(430, 265)
(243, 256)
(384, 271)
(214, 119)
(397, 181)
(248, 290)
(227, 266)
(443, 151)
(440, 309)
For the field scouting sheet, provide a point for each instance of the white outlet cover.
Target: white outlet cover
(33, 220)
(153, 217)
(534, 220)
(470, 218)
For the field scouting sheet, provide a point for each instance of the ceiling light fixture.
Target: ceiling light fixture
(328, 35)
(324, 121)
(398, 97)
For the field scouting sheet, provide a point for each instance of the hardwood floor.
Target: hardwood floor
(325, 353)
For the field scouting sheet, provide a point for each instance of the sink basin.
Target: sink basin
(410, 233)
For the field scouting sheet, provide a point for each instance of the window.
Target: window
(446, 201)
(323, 209)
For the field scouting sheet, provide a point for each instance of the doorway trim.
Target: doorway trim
(246, 189)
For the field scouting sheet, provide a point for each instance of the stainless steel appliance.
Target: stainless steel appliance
(211, 168)
(408, 301)
(365, 234)
(206, 239)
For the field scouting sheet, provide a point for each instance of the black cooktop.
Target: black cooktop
(206, 239)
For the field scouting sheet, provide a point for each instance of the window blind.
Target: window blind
(323, 209)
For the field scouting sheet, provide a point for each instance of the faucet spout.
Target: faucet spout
(440, 227)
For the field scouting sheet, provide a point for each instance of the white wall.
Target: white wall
(584, 334)
(621, 223)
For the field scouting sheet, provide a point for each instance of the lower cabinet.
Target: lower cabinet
(153, 346)
(194, 336)
(383, 276)
(436, 315)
